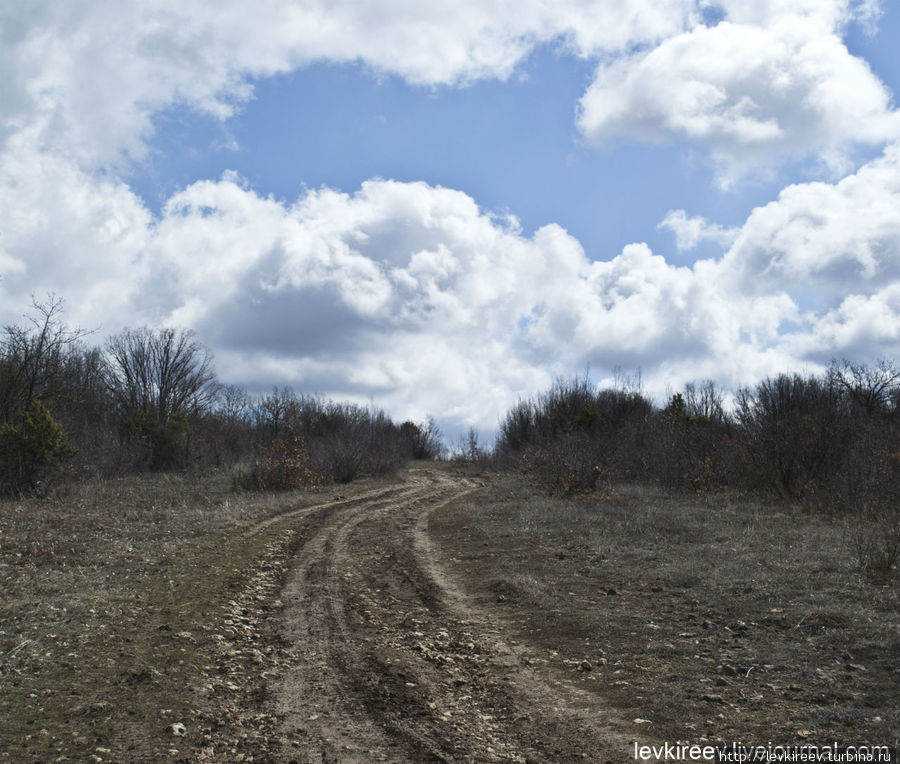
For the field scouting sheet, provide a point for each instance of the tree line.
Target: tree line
(830, 440)
(149, 400)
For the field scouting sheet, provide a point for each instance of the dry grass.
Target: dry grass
(132, 605)
(713, 619)
(115, 602)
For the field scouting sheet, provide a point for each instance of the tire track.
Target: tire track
(375, 495)
(389, 660)
(323, 719)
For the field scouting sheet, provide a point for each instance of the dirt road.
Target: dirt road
(386, 658)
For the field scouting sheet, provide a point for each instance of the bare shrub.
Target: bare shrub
(693, 447)
(565, 465)
(422, 440)
(341, 457)
(572, 436)
(796, 431)
(344, 440)
(285, 466)
(875, 535)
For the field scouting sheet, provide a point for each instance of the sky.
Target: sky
(439, 208)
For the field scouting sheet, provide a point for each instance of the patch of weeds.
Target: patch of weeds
(875, 534)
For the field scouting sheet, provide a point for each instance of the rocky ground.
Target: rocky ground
(442, 616)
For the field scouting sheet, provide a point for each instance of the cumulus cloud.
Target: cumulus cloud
(830, 239)
(415, 296)
(691, 231)
(87, 79)
(402, 292)
(411, 294)
(773, 79)
(66, 231)
(756, 93)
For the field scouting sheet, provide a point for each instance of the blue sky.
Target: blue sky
(512, 145)
(323, 192)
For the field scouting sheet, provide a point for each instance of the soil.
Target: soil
(447, 615)
(460, 618)
(388, 659)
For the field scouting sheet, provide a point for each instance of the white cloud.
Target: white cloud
(65, 231)
(868, 13)
(774, 86)
(829, 239)
(411, 294)
(87, 79)
(402, 291)
(691, 231)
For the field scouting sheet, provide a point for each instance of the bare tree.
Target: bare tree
(32, 359)
(160, 372)
(233, 403)
(272, 412)
(33, 363)
(704, 401)
(470, 449)
(868, 388)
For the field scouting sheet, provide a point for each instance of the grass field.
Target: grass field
(137, 609)
(133, 605)
(707, 618)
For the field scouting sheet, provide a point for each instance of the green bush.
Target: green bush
(32, 450)
(166, 444)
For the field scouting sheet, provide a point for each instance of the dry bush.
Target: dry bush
(566, 465)
(875, 535)
(573, 436)
(344, 440)
(341, 457)
(796, 431)
(824, 441)
(422, 440)
(285, 466)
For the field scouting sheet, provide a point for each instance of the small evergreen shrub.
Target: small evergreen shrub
(32, 450)
(165, 445)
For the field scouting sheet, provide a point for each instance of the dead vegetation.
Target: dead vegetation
(149, 618)
(134, 615)
(706, 618)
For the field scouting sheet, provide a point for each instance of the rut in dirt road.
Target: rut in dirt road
(388, 661)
